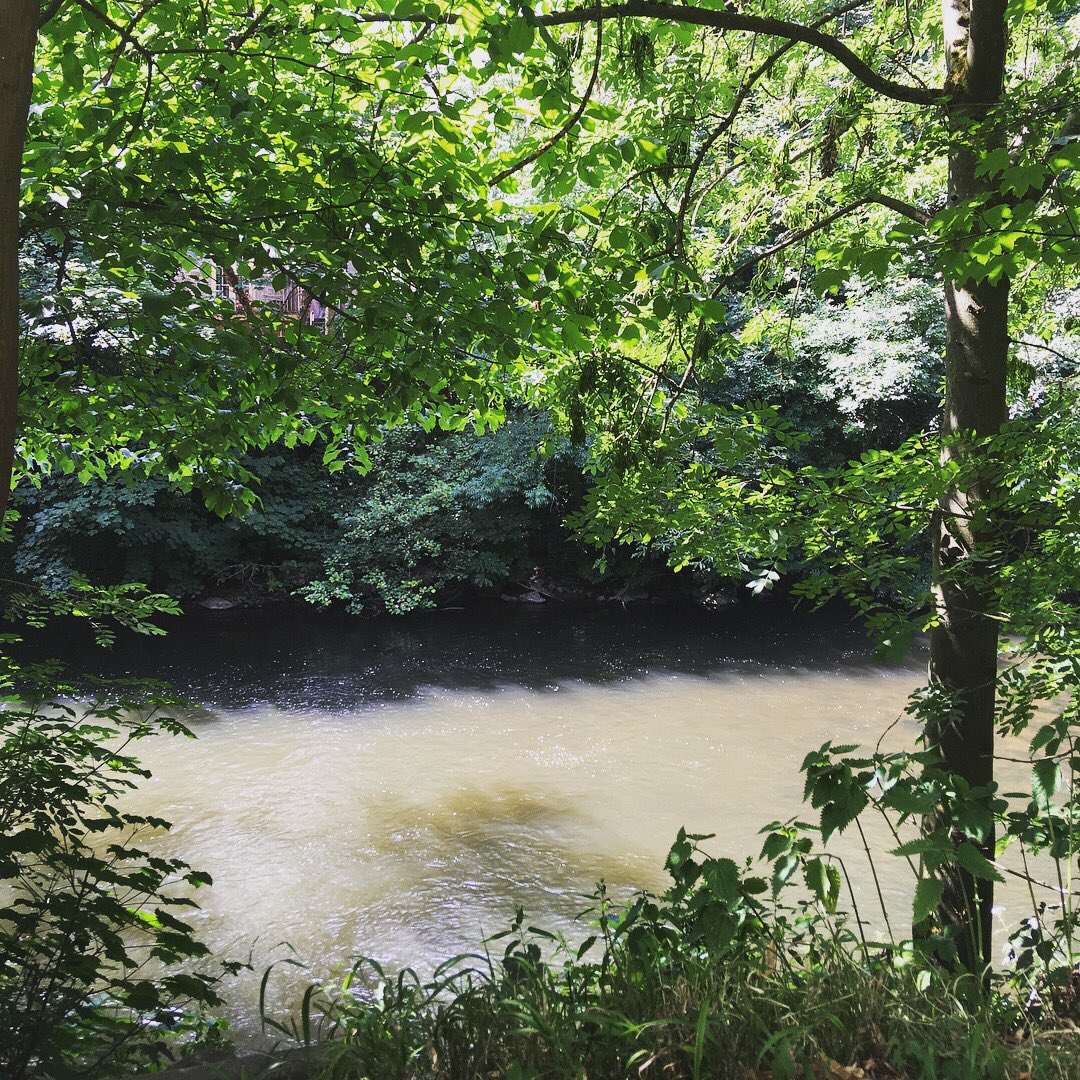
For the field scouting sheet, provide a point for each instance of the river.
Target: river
(396, 788)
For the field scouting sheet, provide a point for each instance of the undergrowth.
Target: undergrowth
(715, 978)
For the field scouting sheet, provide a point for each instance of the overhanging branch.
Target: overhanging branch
(570, 123)
(726, 19)
(792, 237)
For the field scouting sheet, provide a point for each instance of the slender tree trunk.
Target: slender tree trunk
(964, 643)
(18, 34)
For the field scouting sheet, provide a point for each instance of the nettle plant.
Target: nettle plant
(98, 967)
(1041, 955)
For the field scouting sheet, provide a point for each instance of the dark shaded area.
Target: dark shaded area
(294, 659)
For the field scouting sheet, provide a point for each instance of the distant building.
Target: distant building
(250, 293)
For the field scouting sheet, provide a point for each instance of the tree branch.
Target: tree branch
(916, 213)
(791, 238)
(570, 124)
(126, 35)
(726, 19)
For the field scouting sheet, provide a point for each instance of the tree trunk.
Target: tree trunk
(964, 643)
(18, 35)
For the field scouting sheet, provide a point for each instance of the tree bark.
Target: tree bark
(18, 35)
(964, 643)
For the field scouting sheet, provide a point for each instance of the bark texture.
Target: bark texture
(18, 35)
(964, 644)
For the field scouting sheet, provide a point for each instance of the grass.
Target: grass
(683, 988)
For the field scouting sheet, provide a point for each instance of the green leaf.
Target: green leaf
(723, 876)
(1045, 781)
(923, 845)
(928, 893)
(783, 870)
(976, 863)
(824, 880)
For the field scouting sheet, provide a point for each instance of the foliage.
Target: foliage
(853, 374)
(565, 219)
(852, 377)
(437, 515)
(95, 975)
(376, 227)
(478, 209)
(716, 978)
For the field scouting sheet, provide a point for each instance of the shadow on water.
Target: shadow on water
(299, 659)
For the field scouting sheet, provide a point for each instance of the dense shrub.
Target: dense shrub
(134, 529)
(438, 515)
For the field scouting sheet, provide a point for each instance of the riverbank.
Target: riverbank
(712, 980)
(538, 588)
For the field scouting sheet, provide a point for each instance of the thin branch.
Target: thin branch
(1045, 348)
(1059, 889)
(724, 125)
(570, 124)
(125, 34)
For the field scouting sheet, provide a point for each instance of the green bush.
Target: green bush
(438, 514)
(95, 958)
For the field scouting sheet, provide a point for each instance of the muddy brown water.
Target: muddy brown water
(396, 789)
